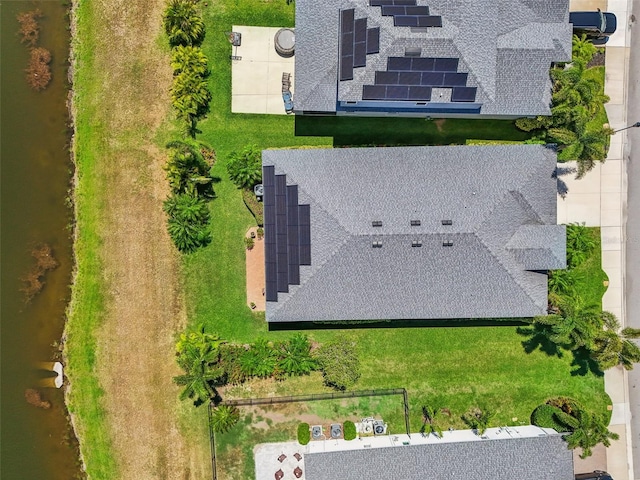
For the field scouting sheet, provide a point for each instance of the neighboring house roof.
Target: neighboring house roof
(544, 457)
(504, 49)
(487, 232)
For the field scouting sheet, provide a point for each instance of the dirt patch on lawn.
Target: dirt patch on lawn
(144, 306)
(255, 272)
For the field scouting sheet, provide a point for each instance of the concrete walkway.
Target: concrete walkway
(599, 199)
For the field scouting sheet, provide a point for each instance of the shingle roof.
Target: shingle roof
(536, 458)
(501, 201)
(506, 47)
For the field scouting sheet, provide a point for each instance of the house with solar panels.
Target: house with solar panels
(410, 232)
(441, 58)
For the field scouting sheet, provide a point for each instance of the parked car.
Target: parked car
(598, 25)
(288, 102)
(595, 475)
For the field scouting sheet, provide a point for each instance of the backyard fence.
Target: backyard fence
(306, 398)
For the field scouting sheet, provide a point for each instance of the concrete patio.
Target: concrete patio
(256, 79)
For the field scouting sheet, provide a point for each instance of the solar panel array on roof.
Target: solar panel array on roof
(356, 42)
(287, 234)
(406, 13)
(412, 79)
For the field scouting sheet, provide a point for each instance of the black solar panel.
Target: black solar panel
(270, 214)
(360, 30)
(268, 174)
(272, 291)
(405, 21)
(455, 79)
(463, 94)
(396, 92)
(374, 92)
(281, 185)
(347, 20)
(404, 2)
(433, 79)
(446, 65)
(305, 254)
(269, 197)
(409, 78)
(360, 55)
(283, 281)
(422, 64)
(398, 63)
(294, 272)
(373, 40)
(394, 10)
(420, 93)
(347, 44)
(386, 78)
(346, 68)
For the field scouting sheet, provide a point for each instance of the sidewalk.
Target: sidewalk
(599, 199)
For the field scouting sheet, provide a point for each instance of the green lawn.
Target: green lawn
(600, 118)
(452, 367)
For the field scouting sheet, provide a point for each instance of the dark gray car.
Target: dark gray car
(598, 25)
(595, 475)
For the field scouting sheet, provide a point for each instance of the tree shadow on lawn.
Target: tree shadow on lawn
(391, 131)
(539, 340)
(360, 324)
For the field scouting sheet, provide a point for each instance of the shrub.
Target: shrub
(254, 206)
(580, 244)
(245, 167)
(545, 416)
(349, 430)
(304, 434)
(224, 417)
(187, 170)
(230, 363)
(477, 419)
(249, 243)
(182, 23)
(29, 26)
(260, 232)
(339, 363)
(188, 222)
(528, 124)
(259, 360)
(295, 356)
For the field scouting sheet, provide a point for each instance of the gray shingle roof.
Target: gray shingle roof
(535, 458)
(502, 204)
(506, 46)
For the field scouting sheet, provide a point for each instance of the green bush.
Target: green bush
(249, 243)
(339, 363)
(580, 244)
(528, 124)
(545, 416)
(245, 167)
(349, 430)
(304, 434)
(254, 206)
(188, 222)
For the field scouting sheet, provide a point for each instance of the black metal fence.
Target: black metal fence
(306, 398)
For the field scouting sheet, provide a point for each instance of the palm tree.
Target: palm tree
(583, 145)
(295, 356)
(582, 50)
(614, 346)
(259, 360)
(187, 171)
(588, 430)
(199, 361)
(187, 58)
(188, 222)
(478, 419)
(183, 24)
(223, 418)
(560, 282)
(575, 325)
(580, 243)
(190, 96)
(429, 421)
(245, 167)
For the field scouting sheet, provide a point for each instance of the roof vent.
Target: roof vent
(447, 222)
(376, 223)
(377, 244)
(415, 223)
(412, 51)
(447, 243)
(416, 243)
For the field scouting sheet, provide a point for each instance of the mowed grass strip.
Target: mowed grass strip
(87, 307)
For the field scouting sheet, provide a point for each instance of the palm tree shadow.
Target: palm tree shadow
(539, 340)
(563, 188)
(584, 364)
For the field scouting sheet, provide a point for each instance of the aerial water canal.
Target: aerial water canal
(36, 442)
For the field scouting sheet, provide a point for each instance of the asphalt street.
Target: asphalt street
(632, 232)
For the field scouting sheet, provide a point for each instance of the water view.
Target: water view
(36, 439)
